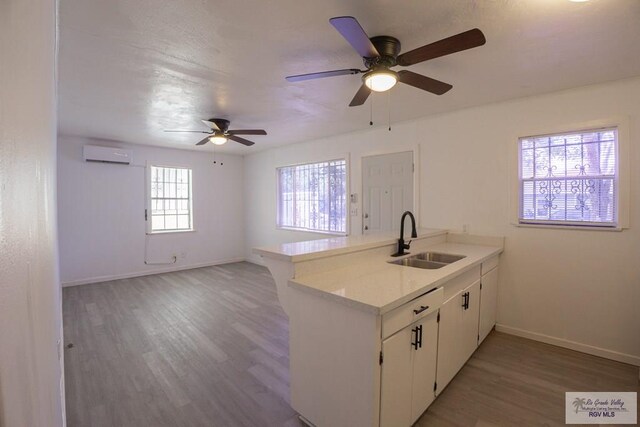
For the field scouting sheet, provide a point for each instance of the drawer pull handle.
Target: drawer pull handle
(421, 309)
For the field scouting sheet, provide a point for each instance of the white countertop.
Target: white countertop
(314, 249)
(378, 286)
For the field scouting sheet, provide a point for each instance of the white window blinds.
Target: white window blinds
(569, 178)
(313, 196)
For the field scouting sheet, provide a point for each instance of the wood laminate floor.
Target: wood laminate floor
(209, 347)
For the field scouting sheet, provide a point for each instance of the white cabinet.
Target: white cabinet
(353, 366)
(397, 372)
(424, 367)
(408, 372)
(488, 302)
(458, 335)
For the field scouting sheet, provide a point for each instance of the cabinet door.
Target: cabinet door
(457, 335)
(397, 372)
(424, 367)
(470, 319)
(488, 303)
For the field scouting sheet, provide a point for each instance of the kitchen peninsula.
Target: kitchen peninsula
(373, 338)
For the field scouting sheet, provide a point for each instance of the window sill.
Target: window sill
(306, 230)
(170, 232)
(568, 227)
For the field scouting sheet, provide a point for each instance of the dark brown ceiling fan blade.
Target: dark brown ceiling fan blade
(352, 31)
(361, 96)
(247, 132)
(190, 131)
(204, 141)
(463, 41)
(211, 124)
(241, 140)
(322, 74)
(423, 82)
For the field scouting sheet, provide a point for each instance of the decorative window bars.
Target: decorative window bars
(569, 178)
(313, 196)
(170, 198)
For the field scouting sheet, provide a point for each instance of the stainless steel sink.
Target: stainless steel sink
(428, 260)
(418, 263)
(438, 257)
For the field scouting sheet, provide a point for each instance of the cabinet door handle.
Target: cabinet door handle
(421, 309)
(468, 299)
(420, 332)
(465, 300)
(416, 342)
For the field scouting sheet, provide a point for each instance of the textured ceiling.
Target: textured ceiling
(130, 68)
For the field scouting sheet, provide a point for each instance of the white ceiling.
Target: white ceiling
(130, 68)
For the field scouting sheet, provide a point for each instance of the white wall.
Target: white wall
(576, 288)
(101, 213)
(31, 381)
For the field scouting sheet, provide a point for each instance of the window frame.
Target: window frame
(622, 181)
(345, 158)
(148, 211)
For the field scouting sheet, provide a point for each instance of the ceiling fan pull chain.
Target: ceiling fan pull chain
(389, 108)
(371, 112)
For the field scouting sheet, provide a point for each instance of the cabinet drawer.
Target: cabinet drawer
(410, 312)
(489, 265)
(458, 283)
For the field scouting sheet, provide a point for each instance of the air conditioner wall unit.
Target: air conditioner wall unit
(94, 153)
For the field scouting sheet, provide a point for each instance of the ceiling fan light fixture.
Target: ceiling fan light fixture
(218, 139)
(380, 80)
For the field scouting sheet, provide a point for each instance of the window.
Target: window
(170, 191)
(313, 197)
(570, 178)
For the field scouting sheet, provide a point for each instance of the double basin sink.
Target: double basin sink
(428, 260)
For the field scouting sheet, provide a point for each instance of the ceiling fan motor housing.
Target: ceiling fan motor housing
(388, 47)
(222, 124)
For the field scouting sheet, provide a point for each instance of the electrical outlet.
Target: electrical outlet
(354, 211)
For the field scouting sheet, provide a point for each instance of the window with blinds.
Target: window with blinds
(569, 178)
(170, 199)
(313, 197)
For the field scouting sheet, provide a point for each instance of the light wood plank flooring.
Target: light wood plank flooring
(209, 347)
(512, 381)
(204, 347)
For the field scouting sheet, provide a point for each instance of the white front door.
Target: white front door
(387, 190)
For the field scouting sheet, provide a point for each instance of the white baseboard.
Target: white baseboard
(149, 272)
(256, 260)
(572, 345)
